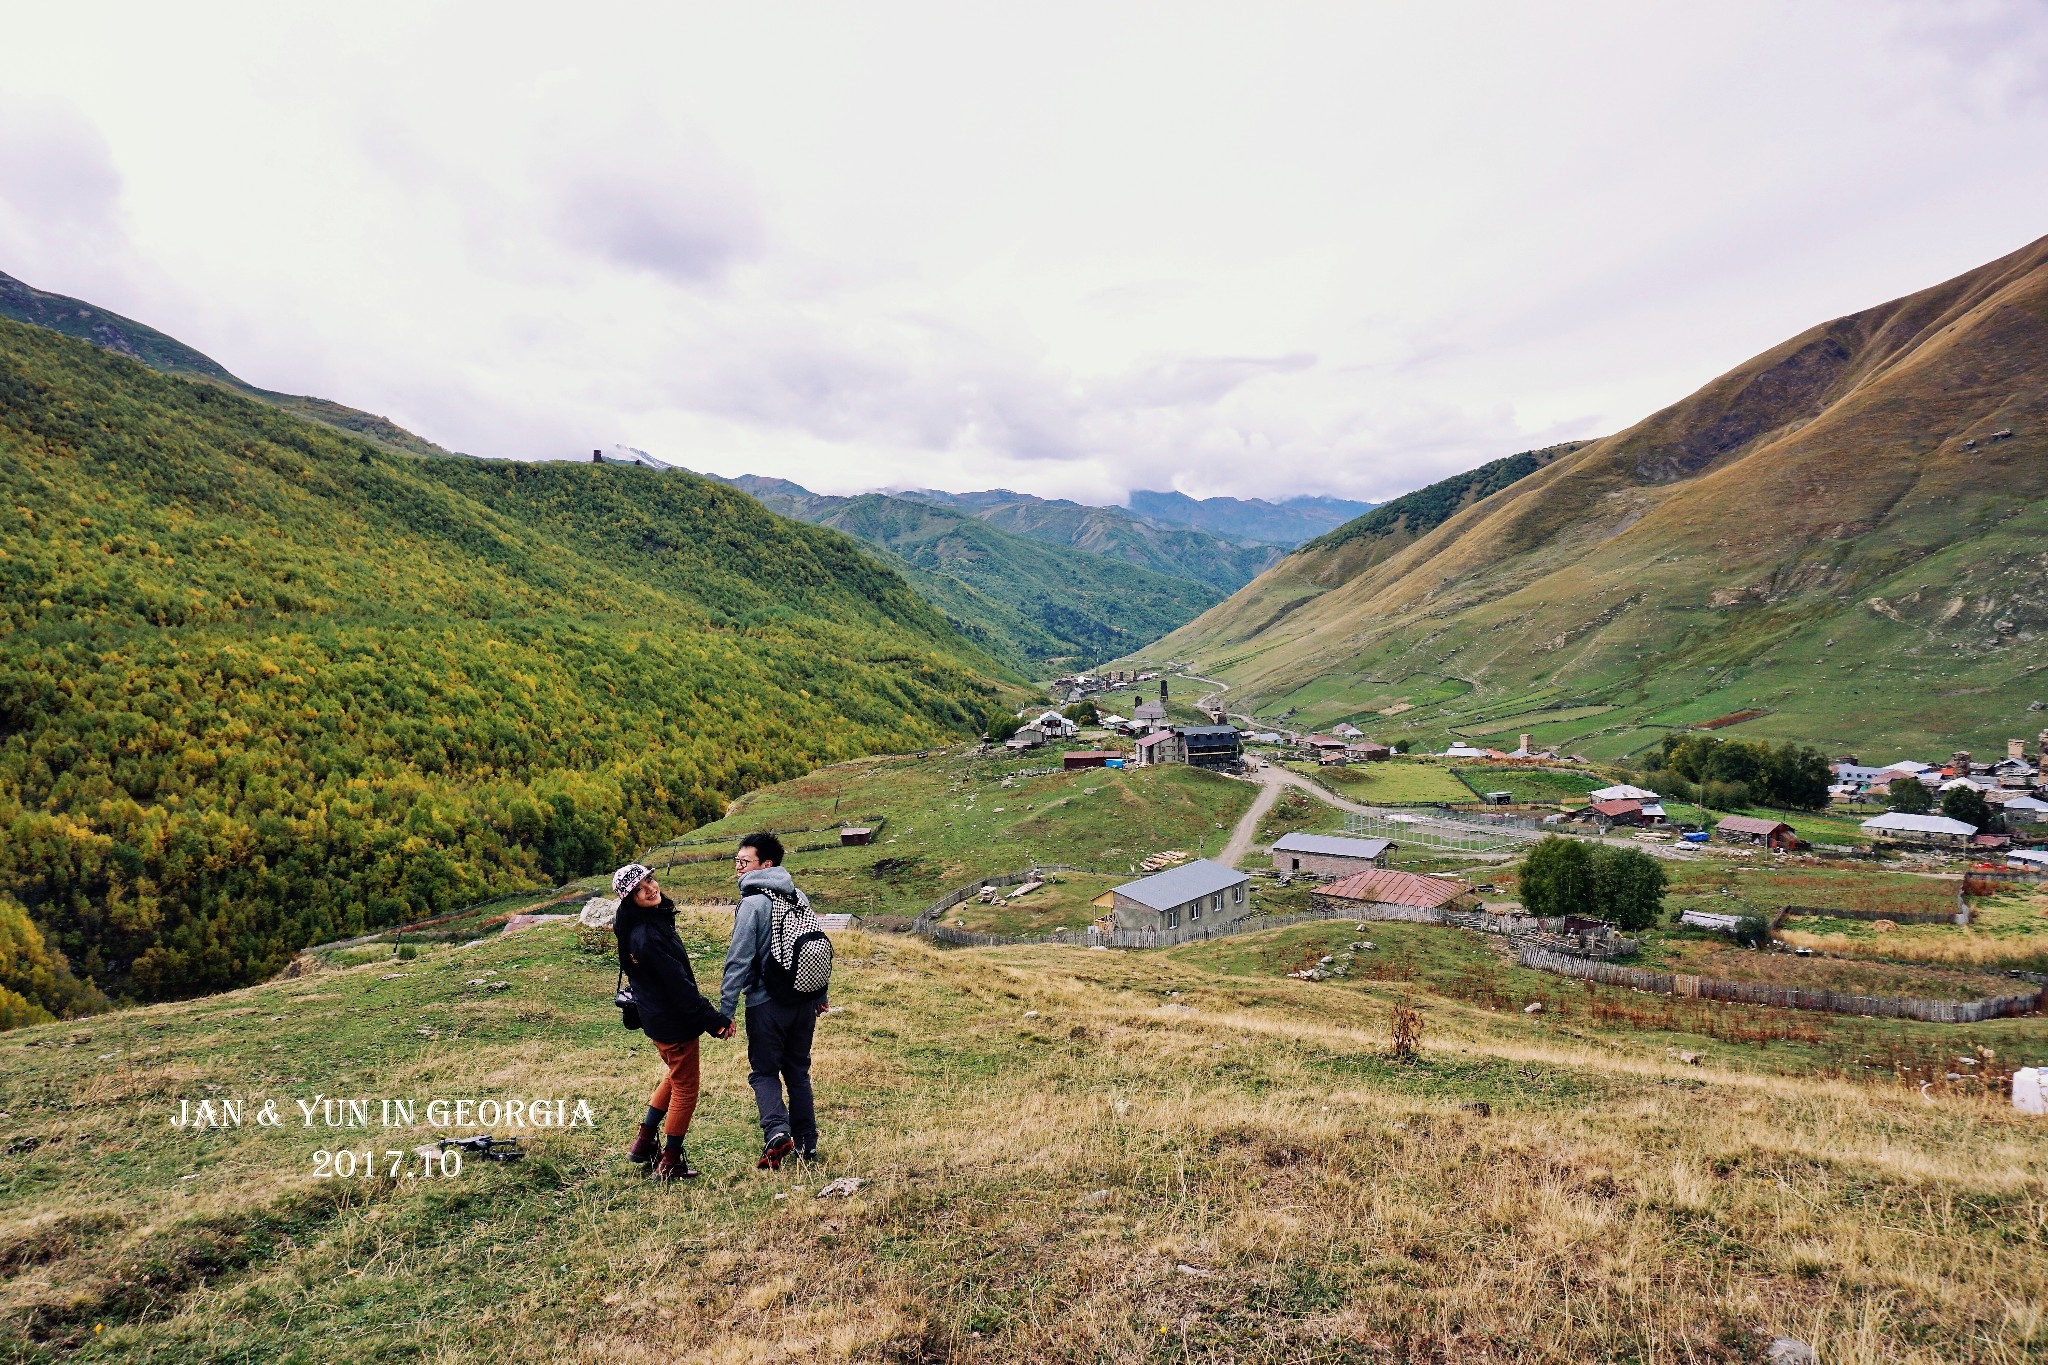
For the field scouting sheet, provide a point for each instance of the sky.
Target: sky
(1074, 250)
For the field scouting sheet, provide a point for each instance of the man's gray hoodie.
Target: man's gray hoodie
(750, 938)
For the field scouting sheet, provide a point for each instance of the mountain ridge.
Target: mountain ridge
(145, 345)
(1709, 559)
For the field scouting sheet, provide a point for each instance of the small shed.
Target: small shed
(854, 836)
(1328, 855)
(1087, 758)
(1764, 833)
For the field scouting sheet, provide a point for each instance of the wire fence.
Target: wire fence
(1418, 833)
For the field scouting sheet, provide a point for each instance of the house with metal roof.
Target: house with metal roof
(1328, 855)
(1622, 792)
(1384, 886)
(1197, 895)
(1750, 829)
(1937, 831)
(1213, 746)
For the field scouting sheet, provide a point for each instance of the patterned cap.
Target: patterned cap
(628, 877)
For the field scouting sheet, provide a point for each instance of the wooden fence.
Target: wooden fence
(1121, 938)
(1784, 997)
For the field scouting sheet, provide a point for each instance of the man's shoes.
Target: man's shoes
(646, 1147)
(779, 1146)
(674, 1165)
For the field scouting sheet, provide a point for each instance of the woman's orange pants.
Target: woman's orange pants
(677, 1093)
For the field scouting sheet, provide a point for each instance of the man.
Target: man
(778, 1034)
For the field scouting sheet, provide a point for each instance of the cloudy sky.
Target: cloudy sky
(1071, 249)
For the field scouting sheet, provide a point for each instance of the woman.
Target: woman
(673, 1012)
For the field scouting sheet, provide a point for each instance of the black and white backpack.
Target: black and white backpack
(798, 967)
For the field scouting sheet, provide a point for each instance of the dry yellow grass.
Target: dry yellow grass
(1233, 1172)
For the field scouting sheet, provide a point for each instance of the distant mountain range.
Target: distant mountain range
(1246, 521)
(1839, 541)
(1034, 600)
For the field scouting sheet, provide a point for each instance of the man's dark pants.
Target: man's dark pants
(779, 1050)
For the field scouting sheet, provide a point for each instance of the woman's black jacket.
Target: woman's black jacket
(672, 1009)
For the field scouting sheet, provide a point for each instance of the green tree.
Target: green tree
(36, 984)
(1628, 887)
(1909, 797)
(1083, 712)
(1966, 804)
(1557, 878)
(1002, 725)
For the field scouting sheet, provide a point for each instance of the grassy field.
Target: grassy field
(2005, 932)
(1180, 1156)
(1064, 903)
(955, 816)
(1535, 785)
(1705, 954)
(1401, 781)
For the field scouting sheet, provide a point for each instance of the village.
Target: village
(1469, 815)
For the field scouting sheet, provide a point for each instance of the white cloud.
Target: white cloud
(1069, 249)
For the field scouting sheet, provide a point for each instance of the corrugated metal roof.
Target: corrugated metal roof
(1751, 824)
(1395, 888)
(1902, 823)
(1179, 885)
(1332, 845)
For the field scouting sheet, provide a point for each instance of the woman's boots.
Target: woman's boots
(647, 1146)
(674, 1165)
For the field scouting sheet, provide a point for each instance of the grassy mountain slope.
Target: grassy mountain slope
(1811, 536)
(1020, 599)
(262, 684)
(137, 341)
(1065, 1155)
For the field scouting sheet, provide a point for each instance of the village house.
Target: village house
(1089, 758)
(1161, 746)
(1030, 737)
(1460, 749)
(1216, 747)
(1053, 725)
(1148, 715)
(1608, 814)
(1347, 731)
(2026, 860)
(1324, 749)
(1201, 894)
(1365, 751)
(1764, 833)
(1622, 792)
(1328, 855)
(1386, 887)
(1929, 831)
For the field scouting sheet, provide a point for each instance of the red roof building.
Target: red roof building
(1384, 886)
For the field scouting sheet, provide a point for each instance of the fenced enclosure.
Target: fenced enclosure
(1784, 997)
(1428, 836)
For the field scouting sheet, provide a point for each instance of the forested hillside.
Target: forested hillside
(263, 684)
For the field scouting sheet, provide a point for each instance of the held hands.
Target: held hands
(724, 1030)
(818, 1010)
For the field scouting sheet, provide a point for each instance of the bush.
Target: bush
(1083, 712)
(406, 952)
